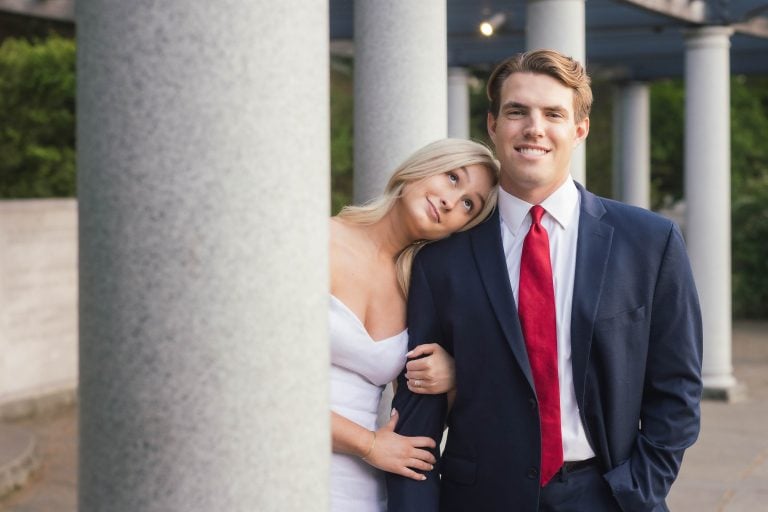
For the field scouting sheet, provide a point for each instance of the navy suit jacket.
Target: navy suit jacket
(636, 344)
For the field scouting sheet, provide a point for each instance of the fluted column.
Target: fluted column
(633, 143)
(203, 167)
(560, 25)
(400, 85)
(708, 196)
(458, 103)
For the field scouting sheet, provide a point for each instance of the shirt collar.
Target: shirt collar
(560, 205)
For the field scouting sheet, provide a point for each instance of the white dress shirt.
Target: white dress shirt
(561, 220)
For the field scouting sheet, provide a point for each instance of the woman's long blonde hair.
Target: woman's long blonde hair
(436, 158)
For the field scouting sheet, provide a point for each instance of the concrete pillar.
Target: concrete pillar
(708, 196)
(203, 184)
(633, 143)
(560, 25)
(458, 103)
(401, 52)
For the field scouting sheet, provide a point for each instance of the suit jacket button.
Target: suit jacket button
(533, 473)
(532, 401)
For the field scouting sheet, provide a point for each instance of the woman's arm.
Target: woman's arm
(383, 449)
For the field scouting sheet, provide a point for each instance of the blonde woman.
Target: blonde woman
(447, 186)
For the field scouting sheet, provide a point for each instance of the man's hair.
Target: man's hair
(564, 69)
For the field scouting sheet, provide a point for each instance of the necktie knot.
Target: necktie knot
(537, 212)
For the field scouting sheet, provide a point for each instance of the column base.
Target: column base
(735, 392)
(19, 458)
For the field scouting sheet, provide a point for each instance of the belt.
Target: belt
(575, 465)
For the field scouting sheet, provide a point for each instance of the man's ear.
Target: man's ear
(582, 130)
(491, 125)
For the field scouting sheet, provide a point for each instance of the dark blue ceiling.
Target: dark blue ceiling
(623, 41)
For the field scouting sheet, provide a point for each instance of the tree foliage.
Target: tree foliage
(37, 118)
(667, 142)
(749, 178)
(341, 133)
(749, 193)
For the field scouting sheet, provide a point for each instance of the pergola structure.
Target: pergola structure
(203, 191)
(631, 39)
(625, 39)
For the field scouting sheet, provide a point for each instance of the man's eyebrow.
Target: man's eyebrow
(515, 104)
(556, 108)
(551, 108)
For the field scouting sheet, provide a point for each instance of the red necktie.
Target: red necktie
(536, 307)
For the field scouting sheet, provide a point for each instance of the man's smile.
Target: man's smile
(532, 150)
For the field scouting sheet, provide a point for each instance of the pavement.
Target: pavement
(725, 471)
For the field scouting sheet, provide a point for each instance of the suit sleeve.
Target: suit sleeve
(670, 414)
(420, 415)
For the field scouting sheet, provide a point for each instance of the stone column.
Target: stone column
(400, 85)
(559, 25)
(458, 103)
(708, 196)
(633, 143)
(203, 184)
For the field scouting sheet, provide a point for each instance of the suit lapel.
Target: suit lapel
(592, 251)
(489, 254)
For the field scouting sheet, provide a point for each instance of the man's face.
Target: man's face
(534, 133)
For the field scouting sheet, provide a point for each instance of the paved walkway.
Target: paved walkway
(726, 471)
(53, 488)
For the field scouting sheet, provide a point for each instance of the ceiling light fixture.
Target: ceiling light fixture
(492, 24)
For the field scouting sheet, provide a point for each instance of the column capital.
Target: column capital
(553, 1)
(625, 83)
(457, 71)
(708, 36)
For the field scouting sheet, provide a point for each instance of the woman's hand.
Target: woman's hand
(400, 454)
(433, 374)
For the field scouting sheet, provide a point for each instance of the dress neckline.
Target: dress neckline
(362, 325)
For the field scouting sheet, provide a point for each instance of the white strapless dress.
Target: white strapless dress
(360, 368)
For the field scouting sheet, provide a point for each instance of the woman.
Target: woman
(445, 187)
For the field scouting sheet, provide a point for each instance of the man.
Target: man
(574, 323)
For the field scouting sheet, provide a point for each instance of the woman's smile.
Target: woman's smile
(433, 212)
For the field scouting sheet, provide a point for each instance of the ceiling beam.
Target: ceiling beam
(60, 10)
(757, 26)
(693, 11)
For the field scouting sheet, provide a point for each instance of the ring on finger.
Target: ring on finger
(417, 383)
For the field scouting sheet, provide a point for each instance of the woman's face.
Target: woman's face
(440, 205)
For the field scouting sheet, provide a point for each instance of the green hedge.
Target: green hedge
(37, 118)
(341, 133)
(749, 179)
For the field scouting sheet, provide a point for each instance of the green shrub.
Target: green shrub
(37, 118)
(749, 192)
(341, 133)
(750, 249)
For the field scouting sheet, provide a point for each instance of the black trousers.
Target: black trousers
(582, 490)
